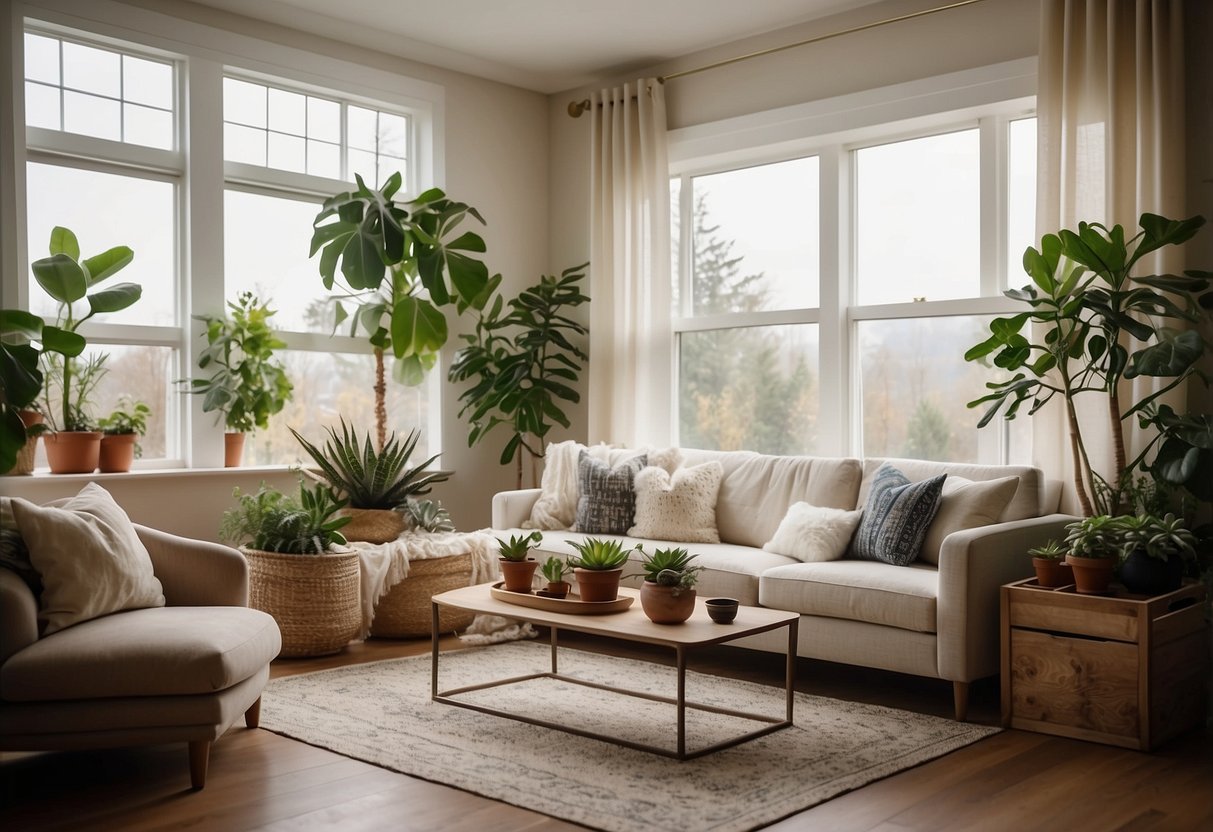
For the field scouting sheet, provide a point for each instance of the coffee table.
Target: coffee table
(629, 625)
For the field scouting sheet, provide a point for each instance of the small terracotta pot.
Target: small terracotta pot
(518, 574)
(372, 525)
(1052, 573)
(233, 449)
(117, 452)
(25, 456)
(666, 604)
(598, 584)
(1092, 576)
(73, 452)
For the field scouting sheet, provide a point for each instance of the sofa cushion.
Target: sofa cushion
(148, 652)
(896, 517)
(966, 505)
(877, 593)
(1031, 497)
(606, 501)
(814, 533)
(679, 506)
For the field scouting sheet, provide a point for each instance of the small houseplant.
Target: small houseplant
(245, 383)
(427, 516)
(1094, 545)
(24, 339)
(121, 431)
(517, 566)
(598, 567)
(1049, 561)
(1154, 551)
(668, 592)
(299, 570)
(377, 484)
(554, 569)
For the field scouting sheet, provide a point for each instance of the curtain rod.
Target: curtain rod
(576, 108)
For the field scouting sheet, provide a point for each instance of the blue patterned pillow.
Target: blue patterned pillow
(896, 517)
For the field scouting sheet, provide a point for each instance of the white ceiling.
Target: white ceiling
(542, 45)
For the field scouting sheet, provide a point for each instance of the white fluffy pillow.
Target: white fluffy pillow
(681, 506)
(966, 504)
(91, 560)
(813, 534)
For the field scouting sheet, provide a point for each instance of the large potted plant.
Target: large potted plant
(245, 384)
(24, 338)
(377, 484)
(523, 363)
(299, 569)
(73, 443)
(121, 431)
(399, 263)
(667, 595)
(598, 567)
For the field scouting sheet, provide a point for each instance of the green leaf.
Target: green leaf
(61, 277)
(108, 263)
(115, 298)
(63, 241)
(417, 327)
(62, 341)
(468, 276)
(1169, 358)
(20, 323)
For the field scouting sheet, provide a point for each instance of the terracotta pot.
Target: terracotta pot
(233, 449)
(556, 589)
(1145, 575)
(1092, 575)
(598, 584)
(117, 452)
(25, 456)
(1052, 573)
(518, 574)
(372, 525)
(666, 604)
(73, 452)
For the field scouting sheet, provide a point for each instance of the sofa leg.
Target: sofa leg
(200, 756)
(960, 698)
(252, 717)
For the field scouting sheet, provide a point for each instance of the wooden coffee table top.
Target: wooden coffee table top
(631, 624)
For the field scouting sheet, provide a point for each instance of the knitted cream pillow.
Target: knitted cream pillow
(681, 506)
(814, 534)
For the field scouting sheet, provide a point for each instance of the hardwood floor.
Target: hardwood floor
(258, 780)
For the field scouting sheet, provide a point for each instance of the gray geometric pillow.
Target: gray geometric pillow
(14, 555)
(606, 502)
(896, 517)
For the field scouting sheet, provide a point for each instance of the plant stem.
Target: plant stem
(1118, 446)
(380, 402)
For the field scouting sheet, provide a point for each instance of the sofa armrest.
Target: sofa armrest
(513, 508)
(196, 573)
(973, 564)
(18, 615)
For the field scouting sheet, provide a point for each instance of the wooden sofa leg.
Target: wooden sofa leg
(200, 756)
(960, 697)
(252, 717)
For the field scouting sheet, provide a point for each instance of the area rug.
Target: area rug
(381, 712)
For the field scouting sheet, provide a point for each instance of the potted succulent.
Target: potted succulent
(668, 592)
(245, 384)
(120, 435)
(1049, 561)
(300, 571)
(1094, 550)
(1154, 551)
(517, 567)
(554, 569)
(376, 484)
(598, 567)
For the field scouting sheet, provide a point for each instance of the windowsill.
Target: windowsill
(44, 475)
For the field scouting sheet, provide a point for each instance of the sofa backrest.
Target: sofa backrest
(1031, 497)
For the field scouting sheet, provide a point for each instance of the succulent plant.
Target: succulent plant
(670, 567)
(1051, 550)
(428, 516)
(1157, 537)
(519, 546)
(601, 555)
(554, 569)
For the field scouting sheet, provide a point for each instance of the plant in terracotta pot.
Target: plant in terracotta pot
(1049, 561)
(554, 569)
(1155, 550)
(1094, 550)
(668, 592)
(598, 567)
(517, 567)
(120, 435)
(377, 484)
(24, 339)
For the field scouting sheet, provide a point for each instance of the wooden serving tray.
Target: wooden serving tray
(571, 605)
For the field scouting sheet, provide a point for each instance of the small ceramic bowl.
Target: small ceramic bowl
(722, 610)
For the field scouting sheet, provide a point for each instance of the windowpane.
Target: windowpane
(753, 389)
(148, 126)
(676, 245)
(286, 153)
(363, 163)
(244, 144)
(288, 112)
(42, 106)
(756, 238)
(147, 82)
(918, 219)
(91, 70)
(92, 116)
(41, 58)
(243, 102)
(915, 385)
(146, 374)
(323, 159)
(266, 252)
(362, 128)
(389, 165)
(323, 119)
(393, 135)
(1021, 196)
(107, 210)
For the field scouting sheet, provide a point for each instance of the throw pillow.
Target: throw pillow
(967, 504)
(896, 517)
(813, 534)
(91, 560)
(14, 555)
(679, 506)
(606, 501)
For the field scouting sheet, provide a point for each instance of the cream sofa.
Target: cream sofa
(937, 621)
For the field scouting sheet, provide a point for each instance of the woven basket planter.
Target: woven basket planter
(314, 598)
(370, 525)
(404, 611)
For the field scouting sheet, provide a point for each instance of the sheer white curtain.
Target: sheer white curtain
(629, 380)
(1111, 146)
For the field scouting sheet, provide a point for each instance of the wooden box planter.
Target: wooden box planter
(1125, 670)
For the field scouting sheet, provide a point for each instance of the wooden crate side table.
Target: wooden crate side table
(1126, 670)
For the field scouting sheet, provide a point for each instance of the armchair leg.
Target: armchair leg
(960, 698)
(200, 755)
(252, 717)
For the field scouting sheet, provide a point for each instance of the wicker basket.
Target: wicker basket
(404, 611)
(314, 598)
(371, 525)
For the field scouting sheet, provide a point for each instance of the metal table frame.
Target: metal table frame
(771, 725)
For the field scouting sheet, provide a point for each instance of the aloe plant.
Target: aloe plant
(372, 479)
(519, 546)
(670, 567)
(1051, 550)
(601, 555)
(428, 516)
(554, 569)
(273, 522)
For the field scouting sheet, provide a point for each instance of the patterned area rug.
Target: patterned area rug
(381, 713)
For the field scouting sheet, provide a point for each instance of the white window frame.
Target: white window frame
(987, 98)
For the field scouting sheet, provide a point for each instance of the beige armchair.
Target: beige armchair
(182, 672)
